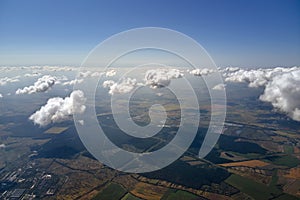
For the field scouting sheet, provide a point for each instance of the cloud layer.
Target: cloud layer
(59, 109)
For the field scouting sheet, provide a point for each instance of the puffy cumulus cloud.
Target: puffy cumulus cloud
(59, 109)
(201, 72)
(220, 86)
(5, 80)
(283, 92)
(1, 96)
(73, 82)
(256, 77)
(157, 78)
(111, 73)
(122, 87)
(41, 85)
(108, 83)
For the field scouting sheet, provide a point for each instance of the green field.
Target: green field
(178, 195)
(252, 188)
(129, 196)
(288, 160)
(288, 149)
(286, 197)
(112, 191)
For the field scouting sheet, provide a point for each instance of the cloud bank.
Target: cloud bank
(256, 77)
(59, 109)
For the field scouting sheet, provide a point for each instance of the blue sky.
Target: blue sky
(260, 33)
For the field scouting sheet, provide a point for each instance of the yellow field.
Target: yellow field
(147, 191)
(56, 130)
(293, 173)
(249, 163)
(197, 162)
(187, 158)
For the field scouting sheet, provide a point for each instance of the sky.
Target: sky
(259, 33)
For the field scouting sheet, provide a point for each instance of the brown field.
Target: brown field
(293, 173)
(296, 150)
(147, 191)
(271, 146)
(56, 130)
(233, 158)
(249, 163)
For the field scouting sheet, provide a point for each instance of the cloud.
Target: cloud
(256, 77)
(41, 85)
(59, 109)
(81, 122)
(220, 86)
(201, 72)
(122, 87)
(5, 80)
(33, 74)
(73, 82)
(283, 92)
(110, 73)
(157, 78)
(90, 74)
(1, 96)
(281, 86)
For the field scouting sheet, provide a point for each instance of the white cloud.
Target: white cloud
(90, 74)
(283, 92)
(1, 96)
(281, 86)
(108, 83)
(201, 72)
(125, 86)
(41, 85)
(5, 80)
(58, 109)
(220, 86)
(81, 122)
(157, 78)
(256, 77)
(33, 74)
(111, 73)
(73, 82)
